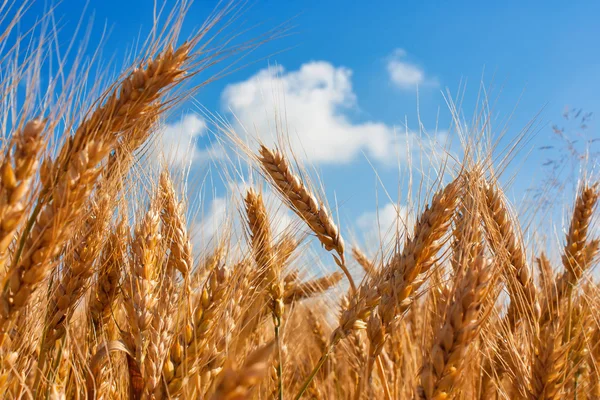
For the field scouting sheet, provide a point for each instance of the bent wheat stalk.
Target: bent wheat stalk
(305, 205)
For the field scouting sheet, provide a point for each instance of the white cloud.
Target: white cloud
(214, 219)
(178, 140)
(208, 225)
(404, 74)
(313, 105)
(384, 222)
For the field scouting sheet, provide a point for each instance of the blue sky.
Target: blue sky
(536, 55)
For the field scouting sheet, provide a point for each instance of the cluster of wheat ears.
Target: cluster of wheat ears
(102, 296)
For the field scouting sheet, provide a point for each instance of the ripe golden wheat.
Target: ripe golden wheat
(103, 295)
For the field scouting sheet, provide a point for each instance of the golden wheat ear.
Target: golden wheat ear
(304, 204)
(406, 272)
(175, 229)
(131, 101)
(17, 172)
(579, 252)
(574, 256)
(550, 362)
(507, 244)
(312, 288)
(238, 383)
(440, 376)
(362, 259)
(190, 350)
(113, 264)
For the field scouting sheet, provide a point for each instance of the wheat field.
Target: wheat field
(104, 295)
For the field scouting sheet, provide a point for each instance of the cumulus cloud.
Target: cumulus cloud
(178, 140)
(207, 226)
(404, 74)
(214, 219)
(314, 105)
(385, 221)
